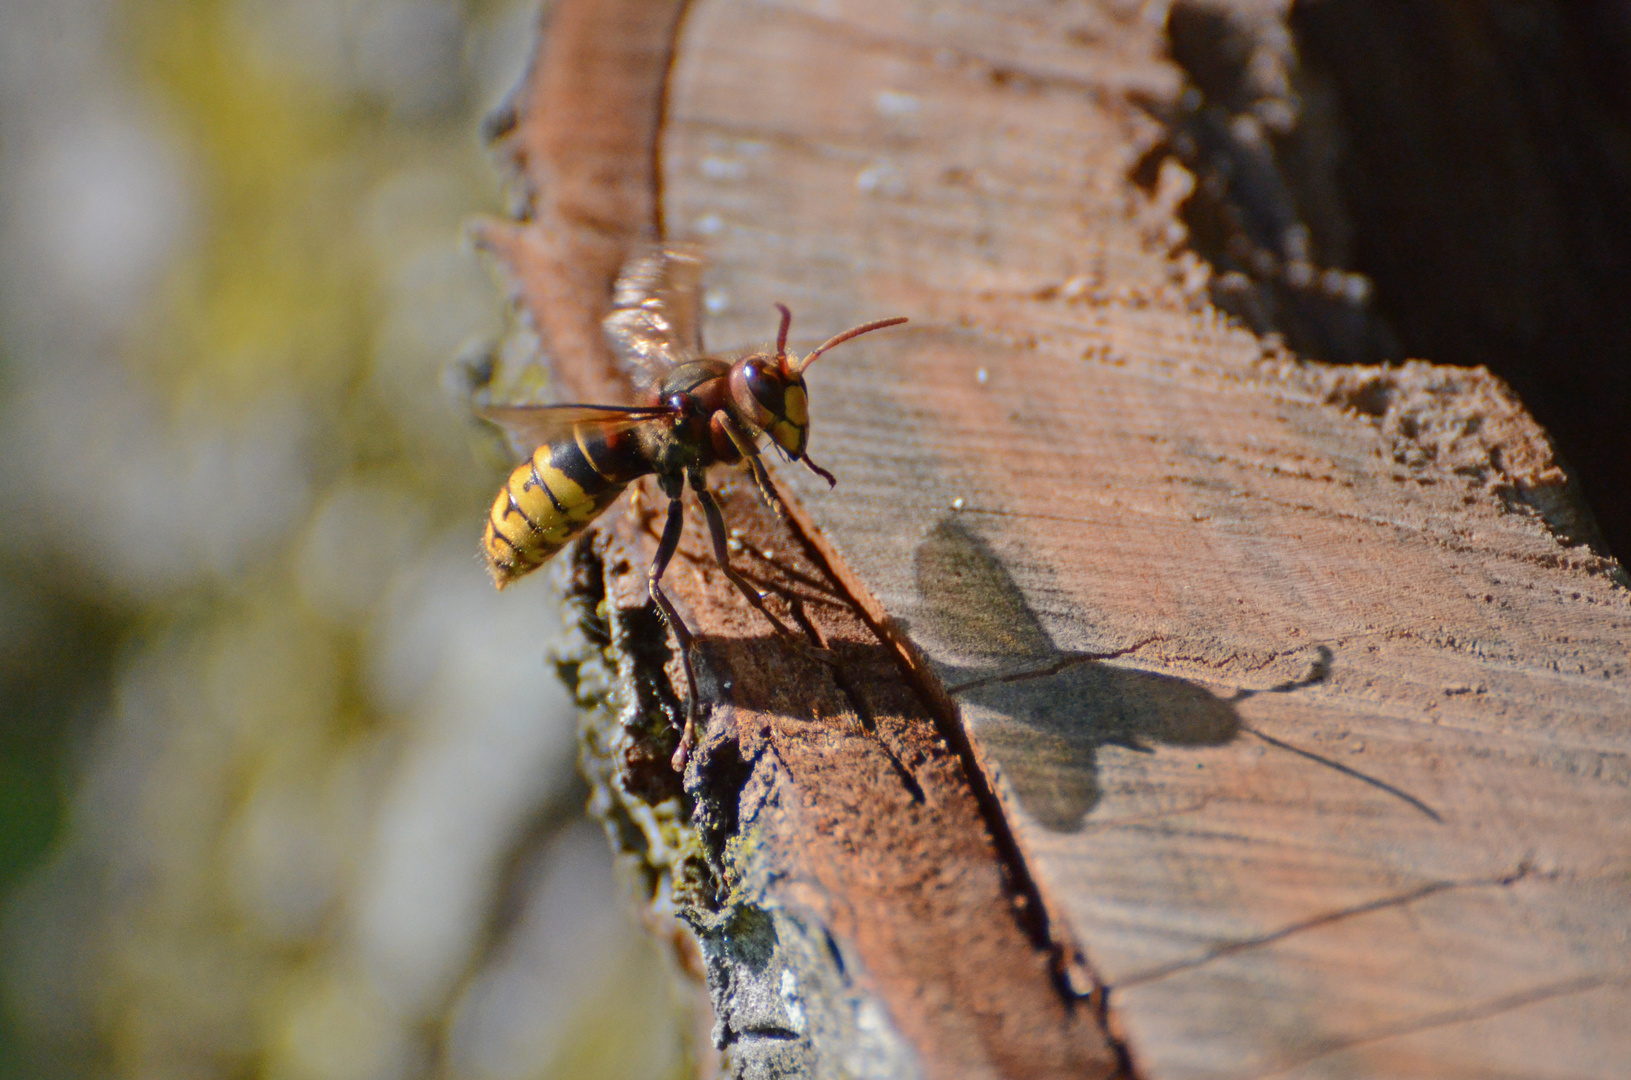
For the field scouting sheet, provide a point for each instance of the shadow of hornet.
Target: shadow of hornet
(1042, 712)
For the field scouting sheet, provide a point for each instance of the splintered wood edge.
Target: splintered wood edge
(582, 135)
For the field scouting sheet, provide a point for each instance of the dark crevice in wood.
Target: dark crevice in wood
(1486, 157)
(1264, 211)
(1434, 180)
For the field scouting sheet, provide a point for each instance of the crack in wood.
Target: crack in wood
(1247, 944)
(1319, 670)
(1054, 668)
(1466, 1015)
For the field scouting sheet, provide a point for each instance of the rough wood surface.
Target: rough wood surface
(1314, 738)
(1311, 731)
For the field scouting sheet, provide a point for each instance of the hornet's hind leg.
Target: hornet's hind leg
(716, 531)
(682, 634)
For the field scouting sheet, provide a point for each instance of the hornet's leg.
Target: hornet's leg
(682, 634)
(716, 529)
(750, 454)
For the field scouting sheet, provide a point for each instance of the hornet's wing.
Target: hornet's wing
(655, 324)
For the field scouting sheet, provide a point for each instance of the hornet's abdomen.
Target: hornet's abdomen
(553, 496)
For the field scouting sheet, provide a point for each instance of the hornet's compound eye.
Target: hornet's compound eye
(767, 389)
(752, 391)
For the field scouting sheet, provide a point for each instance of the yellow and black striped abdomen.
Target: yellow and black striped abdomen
(553, 496)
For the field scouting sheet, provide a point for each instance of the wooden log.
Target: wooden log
(853, 889)
(1306, 723)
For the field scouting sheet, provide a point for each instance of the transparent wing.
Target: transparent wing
(531, 426)
(655, 322)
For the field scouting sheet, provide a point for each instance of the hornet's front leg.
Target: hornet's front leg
(744, 443)
(716, 530)
(673, 487)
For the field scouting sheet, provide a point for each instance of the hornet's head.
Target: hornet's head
(768, 389)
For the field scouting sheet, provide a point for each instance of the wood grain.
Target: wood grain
(1311, 732)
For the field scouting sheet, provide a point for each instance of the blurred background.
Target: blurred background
(286, 789)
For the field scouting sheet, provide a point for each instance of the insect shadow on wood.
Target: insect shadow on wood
(1043, 712)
